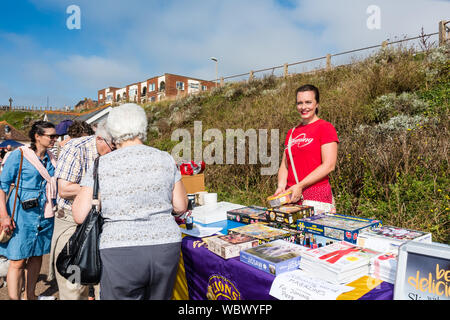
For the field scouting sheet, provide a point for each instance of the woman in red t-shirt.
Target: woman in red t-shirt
(310, 155)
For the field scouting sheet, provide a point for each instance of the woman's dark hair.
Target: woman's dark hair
(309, 87)
(38, 128)
(79, 128)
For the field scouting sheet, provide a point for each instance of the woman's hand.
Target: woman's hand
(7, 224)
(297, 190)
(279, 191)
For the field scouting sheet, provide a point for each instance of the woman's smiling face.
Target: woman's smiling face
(307, 105)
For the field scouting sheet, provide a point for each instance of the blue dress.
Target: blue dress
(33, 234)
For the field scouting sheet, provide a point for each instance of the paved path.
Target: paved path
(43, 287)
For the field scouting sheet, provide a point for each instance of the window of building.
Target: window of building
(100, 96)
(151, 87)
(152, 99)
(144, 91)
(204, 88)
(193, 85)
(180, 85)
(162, 86)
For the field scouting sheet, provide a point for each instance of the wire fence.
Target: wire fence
(339, 59)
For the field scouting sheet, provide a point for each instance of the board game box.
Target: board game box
(247, 215)
(289, 213)
(389, 238)
(262, 232)
(229, 246)
(274, 257)
(337, 226)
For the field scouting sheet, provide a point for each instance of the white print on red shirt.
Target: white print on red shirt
(301, 141)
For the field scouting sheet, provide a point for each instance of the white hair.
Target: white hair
(101, 131)
(126, 122)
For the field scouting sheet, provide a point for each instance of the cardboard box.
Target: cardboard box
(279, 200)
(273, 257)
(261, 232)
(247, 215)
(194, 183)
(389, 238)
(230, 246)
(337, 226)
(289, 213)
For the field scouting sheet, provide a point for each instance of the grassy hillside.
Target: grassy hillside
(391, 112)
(20, 120)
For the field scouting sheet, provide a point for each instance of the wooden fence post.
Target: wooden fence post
(222, 81)
(251, 76)
(328, 62)
(442, 33)
(285, 74)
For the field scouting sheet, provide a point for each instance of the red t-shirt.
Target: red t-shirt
(306, 150)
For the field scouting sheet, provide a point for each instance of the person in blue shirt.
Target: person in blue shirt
(31, 229)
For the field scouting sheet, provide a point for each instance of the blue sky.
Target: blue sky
(122, 42)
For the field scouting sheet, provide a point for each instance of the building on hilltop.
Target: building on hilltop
(85, 104)
(154, 89)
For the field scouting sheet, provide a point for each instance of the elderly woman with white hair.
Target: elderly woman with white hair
(139, 189)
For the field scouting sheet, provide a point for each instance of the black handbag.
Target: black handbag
(79, 261)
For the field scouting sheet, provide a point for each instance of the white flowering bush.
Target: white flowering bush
(392, 104)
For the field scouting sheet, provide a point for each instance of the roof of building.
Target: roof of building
(14, 135)
(56, 117)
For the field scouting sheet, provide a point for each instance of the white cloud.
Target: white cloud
(94, 72)
(135, 40)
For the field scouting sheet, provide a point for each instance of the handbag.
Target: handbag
(79, 261)
(5, 237)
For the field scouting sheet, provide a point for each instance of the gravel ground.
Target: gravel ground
(43, 287)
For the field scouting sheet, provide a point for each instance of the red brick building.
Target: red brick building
(154, 89)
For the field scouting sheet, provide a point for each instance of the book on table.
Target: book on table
(340, 262)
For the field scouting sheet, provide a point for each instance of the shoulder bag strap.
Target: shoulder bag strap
(95, 201)
(290, 156)
(18, 182)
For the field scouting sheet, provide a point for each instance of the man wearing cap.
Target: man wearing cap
(74, 161)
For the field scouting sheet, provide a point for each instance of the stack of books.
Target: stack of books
(384, 267)
(338, 263)
(274, 257)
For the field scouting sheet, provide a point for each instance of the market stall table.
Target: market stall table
(204, 275)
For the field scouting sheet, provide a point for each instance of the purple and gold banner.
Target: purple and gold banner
(207, 276)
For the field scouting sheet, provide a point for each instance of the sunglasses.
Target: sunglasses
(51, 136)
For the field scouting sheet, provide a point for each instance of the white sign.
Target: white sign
(297, 285)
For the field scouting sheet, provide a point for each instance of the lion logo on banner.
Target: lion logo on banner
(220, 288)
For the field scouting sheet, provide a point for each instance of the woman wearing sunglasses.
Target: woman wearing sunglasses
(32, 226)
